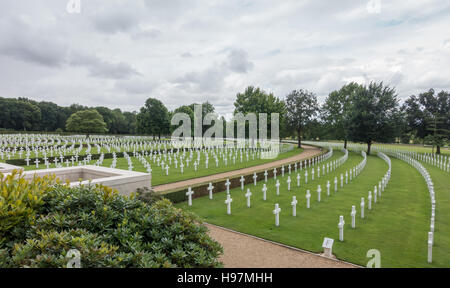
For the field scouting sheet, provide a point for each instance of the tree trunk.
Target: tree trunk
(345, 144)
(299, 135)
(369, 144)
(438, 149)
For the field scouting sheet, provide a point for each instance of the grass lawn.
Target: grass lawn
(159, 177)
(441, 180)
(397, 225)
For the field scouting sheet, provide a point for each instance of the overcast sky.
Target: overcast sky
(118, 53)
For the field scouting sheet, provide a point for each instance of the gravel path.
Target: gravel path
(244, 251)
(309, 151)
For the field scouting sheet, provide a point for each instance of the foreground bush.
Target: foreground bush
(108, 230)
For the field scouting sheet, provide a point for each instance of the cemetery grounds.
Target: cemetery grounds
(397, 225)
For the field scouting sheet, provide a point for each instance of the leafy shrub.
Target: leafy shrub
(49, 249)
(108, 229)
(148, 196)
(19, 200)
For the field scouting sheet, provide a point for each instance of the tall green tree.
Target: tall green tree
(428, 116)
(153, 118)
(256, 100)
(86, 121)
(372, 115)
(301, 107)
(336, 111)
(131, 122)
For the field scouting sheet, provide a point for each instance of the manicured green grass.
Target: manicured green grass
(159, 177)
(397, 225)
(441, 181)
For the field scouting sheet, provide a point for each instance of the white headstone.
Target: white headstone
(294, 206)
(327, 246)
(308, 198)
(341, 228)
(189, 193)
(248, 195)
(277, 212)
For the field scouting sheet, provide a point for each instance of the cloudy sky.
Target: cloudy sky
(117, 53)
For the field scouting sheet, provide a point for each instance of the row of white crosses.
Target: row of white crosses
(294, 202)
(277, 210)
(440, 161)
(377, 190)
(423, 171)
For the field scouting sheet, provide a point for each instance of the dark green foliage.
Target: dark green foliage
(255, 100)
(110, 231)
(148, 196)
(428, 117)
(27, 115)
(301, 107)
(87, 121)
(372, 115)
(153, 118)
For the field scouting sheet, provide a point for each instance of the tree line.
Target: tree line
(23, 114)
(359, 113)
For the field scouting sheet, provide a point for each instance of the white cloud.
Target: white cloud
(117, 53)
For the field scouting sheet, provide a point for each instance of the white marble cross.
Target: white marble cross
(210, 189)
(265, 176)
(255, 178)
(308, 197)
(275, 173)
(228, 202)
(242, 180)
(370, 200)
(298, 179)
(278, 187)
(362, 207)
(289, 183)
(189, 193)
(264, 190)
(37, 163)
(228, 183)
(277, 212)
(306, 177)
(341, 228)
(353, 214)
(248, 195)
(342, 180)
(319, 192)
(294, 206)
(328, 188)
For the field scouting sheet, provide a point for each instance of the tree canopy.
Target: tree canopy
(87, 121)
(256, 100)
(301, 107)
(428, 117)
(372, 114)
(153, 118)
(336, 111)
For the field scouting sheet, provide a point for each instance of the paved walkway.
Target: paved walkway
(244, 251)
(308, 152)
